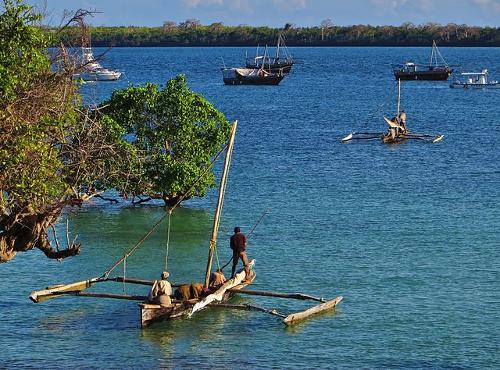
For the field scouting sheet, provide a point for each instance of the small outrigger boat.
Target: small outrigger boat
(217, 297)
(432, 72)
(474, 80)
(397, 132)
(282, 62)
(251, 76)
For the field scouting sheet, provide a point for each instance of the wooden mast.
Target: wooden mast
(399, 95)
(220, 201)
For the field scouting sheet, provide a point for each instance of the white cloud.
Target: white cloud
(488, 5)
(240, 5)
(392, 4)
(197, 3)
(290, 5)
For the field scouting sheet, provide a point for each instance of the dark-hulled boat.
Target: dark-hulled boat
(434, 71)
(281, 63)
(250, 76)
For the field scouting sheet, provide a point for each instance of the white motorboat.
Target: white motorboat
(477, 80)
(92, 70)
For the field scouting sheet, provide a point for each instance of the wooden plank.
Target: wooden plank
(42, 295)
(106, 295)
(438, 139)
(218, 295)
(276, 294)
(122, 279)
(347, 138)
(246, 307)
(298, 316)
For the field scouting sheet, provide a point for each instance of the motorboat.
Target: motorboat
(475, 80)
(92, 70)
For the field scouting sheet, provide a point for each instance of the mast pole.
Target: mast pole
(220, 201)
(399, 95)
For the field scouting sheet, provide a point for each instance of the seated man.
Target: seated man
(217, 278)
(161, 291)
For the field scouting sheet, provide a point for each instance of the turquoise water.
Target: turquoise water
(408, 234)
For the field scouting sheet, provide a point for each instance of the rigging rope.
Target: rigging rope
(168, 239)
(379, 110)
(124, 273)
(153, 228)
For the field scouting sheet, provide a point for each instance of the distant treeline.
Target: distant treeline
(192, 33)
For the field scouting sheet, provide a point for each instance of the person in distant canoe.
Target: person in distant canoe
(402, 121)
(161, 291)
(238, 244)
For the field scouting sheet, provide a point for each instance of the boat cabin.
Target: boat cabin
(410, 67)
(476, 78)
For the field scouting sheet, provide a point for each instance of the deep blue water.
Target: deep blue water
(408, 234)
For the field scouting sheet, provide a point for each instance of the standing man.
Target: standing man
(238, 244)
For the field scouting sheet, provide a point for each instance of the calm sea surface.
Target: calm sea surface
(408, 234)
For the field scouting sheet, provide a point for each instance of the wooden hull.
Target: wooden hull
(151, 313)
(387, 139)
(431, 75)
(267, 80)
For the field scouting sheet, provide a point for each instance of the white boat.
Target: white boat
(477, 80)
(92, 70)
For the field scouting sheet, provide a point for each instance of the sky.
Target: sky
(276, 13)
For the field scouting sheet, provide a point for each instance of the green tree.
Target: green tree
(53, 152)
(178, 133)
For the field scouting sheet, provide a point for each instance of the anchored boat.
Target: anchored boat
(473, 80)
(434, 71)
(250, 76)
(211, 297)
(92, 70)
(397, 132)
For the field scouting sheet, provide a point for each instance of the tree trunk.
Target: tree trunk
(26, 230)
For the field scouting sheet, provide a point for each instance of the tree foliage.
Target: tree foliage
(177, 132)
(192, 33)
(56, 153)
(53, 152)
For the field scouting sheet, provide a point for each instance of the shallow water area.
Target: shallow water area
(407, 234)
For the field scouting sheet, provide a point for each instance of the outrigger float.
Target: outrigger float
(218, 298)
(397, 132)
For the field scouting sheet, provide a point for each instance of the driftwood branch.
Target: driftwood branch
(111, 200)
(141, 200)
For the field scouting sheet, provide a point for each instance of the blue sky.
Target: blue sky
(278, 12)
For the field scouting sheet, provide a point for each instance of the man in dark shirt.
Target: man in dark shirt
(238, 244)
